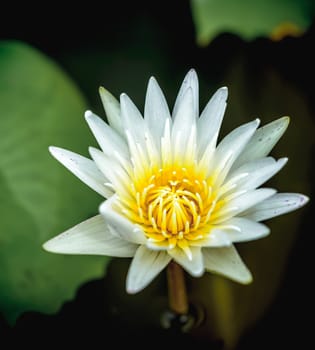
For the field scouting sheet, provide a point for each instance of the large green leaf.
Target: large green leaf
(251, 19)
(38, 198)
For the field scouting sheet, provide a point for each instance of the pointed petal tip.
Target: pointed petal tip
(192, 72)
(152, 80)
(224, 91)
(152, 83)
(283, 161)
(131, 290)
(257, 121)
(221, 94)
(281, 124)
(191, 78)
(45, 246)
(88, 115)
(92, 150)
(103, 206)
(55, 151)
(303, 199)
(124, 99)
(92, 119)
(198, 273)
(286, 120)
(248, 280)
(51, 149)
(106, 96)
(50, 247)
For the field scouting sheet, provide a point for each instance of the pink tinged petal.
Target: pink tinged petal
(190, 82)
(84, 168)
(263, 141)
(194, 266)
(112, 110)
(241, 203)
(242, 230)
(276, 205)
(108, 139)
(209, 123)
(255, 173)
(226, 262)
(120, 226)
(90, 237)
(145, 266)
(229, 149)
(156, 111)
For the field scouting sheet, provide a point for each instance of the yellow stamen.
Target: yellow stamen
(173, 205)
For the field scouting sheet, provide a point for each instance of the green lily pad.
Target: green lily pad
(40, 106)
(251, 19)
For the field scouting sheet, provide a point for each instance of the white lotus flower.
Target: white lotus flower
(172, 193)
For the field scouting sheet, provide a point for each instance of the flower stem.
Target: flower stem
(177, 295)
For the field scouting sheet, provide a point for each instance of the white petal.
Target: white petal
(229, 149)
(145, 266)
(256, 173)
(241, 203)
(226, 262)
(251, 198)
(132, 119)
(190, 81)
(112, 110)
(278, 204)
(117, 175)
(194, 266)
(156, 111)
(120, 225)
(84, 168)
(216, 238)
(263, 141)
(209, 123)
(184, 116)
(90, 237)
(141, 143)
(166, 147)
(109, 140)
(184, 129)
(243, 230)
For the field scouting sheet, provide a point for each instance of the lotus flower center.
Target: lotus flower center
(175, 203)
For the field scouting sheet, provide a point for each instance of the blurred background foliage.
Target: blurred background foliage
(50, 69)
(275, 19)
(39, 107)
